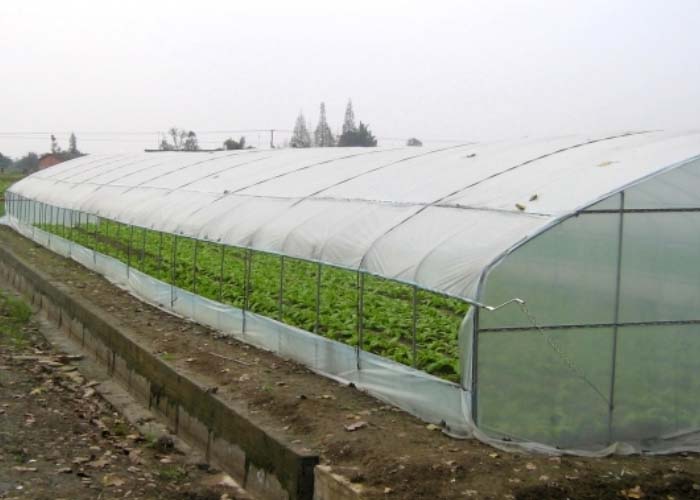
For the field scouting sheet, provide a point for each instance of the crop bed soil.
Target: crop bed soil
(394, 456)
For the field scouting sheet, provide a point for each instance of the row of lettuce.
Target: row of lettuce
(398, 321)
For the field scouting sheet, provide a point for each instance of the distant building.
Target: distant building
(50, 159)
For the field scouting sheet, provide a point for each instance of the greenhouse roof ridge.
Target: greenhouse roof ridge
(406, 213)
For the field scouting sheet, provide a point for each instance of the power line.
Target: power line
(201, 132)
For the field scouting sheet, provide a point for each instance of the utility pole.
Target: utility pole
(272, 138)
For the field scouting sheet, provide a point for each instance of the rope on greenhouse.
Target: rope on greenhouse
(569, 363)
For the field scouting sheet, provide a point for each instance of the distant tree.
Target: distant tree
(55, 148)
(178, 137)
(28, 163)
(413, 142)
(5, 163)
(323, 137)
(349, 121)
(165, 145)
(362, 137)
(300, 135)
(190, 143)
(231, 144)
(182, 140)
(73, 145)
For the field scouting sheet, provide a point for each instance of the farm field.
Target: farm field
(286, 289)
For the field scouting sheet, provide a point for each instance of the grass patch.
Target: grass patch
(14, 314)
(172, 473)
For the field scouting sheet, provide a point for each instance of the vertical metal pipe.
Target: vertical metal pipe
(172, 271)
(107, 244)
(360, 313)
(97, 225)
(48, 227)
(95, 248)
(143, 248)
(117, 240)
(280, 300)
(160, 253)
(194, 267)
(34, 217)
(128, 250)
(318, 299)
(618, 281)
(474, 367)
(221, 273)
(246, 282)
(414, 325)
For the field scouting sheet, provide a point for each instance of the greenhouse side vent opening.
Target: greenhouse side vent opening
(398, 321)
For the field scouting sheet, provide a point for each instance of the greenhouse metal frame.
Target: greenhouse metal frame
(575, 254)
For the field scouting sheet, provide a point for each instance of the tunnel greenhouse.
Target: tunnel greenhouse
(534, 294)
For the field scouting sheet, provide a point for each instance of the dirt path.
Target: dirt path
(59, 439)
(394, 456)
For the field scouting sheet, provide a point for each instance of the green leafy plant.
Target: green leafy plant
(286, 289)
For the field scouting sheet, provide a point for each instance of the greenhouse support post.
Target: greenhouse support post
(160, 253)
(107, 243)
(94, 252)
(280, 299)
(194, 267)
(318, 298)
(360, 313)
(221, 273)
(49, 216)
(117, 235)
(474, 385)
(246, 284)
(143, 248)
(618, 280)
(172, 271)
(128, 250)
(414, 322)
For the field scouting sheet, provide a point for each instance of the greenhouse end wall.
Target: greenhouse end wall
(608, 345)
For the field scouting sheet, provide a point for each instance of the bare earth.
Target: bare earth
(60, 440)
(394, 456)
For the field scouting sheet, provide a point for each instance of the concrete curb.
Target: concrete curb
(259, 459)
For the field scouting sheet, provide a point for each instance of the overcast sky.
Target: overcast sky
(118, 72)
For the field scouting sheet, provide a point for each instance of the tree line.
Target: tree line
(351, 134)
(30, 162)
